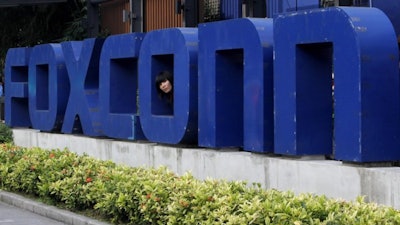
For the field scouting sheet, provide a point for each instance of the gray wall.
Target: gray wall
(379, 183)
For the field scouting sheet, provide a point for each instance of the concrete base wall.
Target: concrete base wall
(379, 183)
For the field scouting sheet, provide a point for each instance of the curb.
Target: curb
(48, 211)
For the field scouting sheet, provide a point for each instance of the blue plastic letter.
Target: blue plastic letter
(119, 86)
(175, 50)
(16, 78)
(235, 84)
(361, 45)
(48, 87)
(82, 60)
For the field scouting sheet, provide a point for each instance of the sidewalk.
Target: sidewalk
(18, 210)
(11, 215)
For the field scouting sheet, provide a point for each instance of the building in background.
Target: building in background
(123, 16)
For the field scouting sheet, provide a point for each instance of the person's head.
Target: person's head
(164, 84)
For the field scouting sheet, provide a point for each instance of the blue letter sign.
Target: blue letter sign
(313, 82)
(119, 86)
(16, 78)
(366, 84)
(174, 50)
(235, 84)
(82, 60)
(48, 87)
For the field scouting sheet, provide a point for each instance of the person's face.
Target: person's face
(166, 86)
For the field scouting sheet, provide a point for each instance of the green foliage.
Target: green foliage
(30, 25)
(77, 27)
(143, 196)
(211, 10)
(6, 134)
(76, 189)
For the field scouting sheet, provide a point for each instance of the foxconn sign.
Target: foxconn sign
(263, 85)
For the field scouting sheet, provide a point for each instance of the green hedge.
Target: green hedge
(128, 195)
(6, 134)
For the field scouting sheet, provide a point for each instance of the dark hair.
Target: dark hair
(161, 77)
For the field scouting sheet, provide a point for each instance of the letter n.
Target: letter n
(357, 122)
(235, 84)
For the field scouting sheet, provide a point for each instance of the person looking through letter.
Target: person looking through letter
(164, 86)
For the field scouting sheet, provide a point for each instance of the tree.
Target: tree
(30, 25)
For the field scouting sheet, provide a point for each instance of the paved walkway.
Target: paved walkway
(17, 210)
(11, 215)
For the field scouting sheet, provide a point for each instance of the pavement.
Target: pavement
(18, 210)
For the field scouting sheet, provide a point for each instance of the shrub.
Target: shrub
(6, 135)
(142, 196)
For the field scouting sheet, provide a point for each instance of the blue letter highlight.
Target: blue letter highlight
(173, 49)
(82, 61)
(16, 84)
(48, 87)
(119, 86)
(360, 45)
(235, 84)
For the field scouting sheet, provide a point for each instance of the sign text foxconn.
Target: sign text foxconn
(261, 84)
